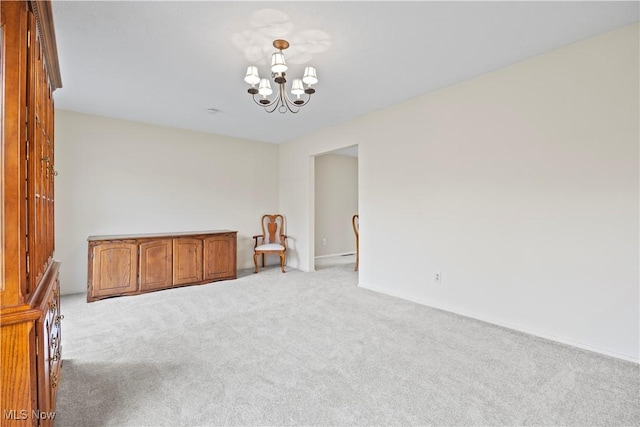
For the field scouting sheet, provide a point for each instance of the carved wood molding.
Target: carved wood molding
(44, 17)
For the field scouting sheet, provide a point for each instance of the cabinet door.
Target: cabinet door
(114, 268)
(156, 262)
(220, 257)
(187, 260)
(48, 353)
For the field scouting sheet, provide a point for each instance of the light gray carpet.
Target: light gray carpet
(314, 349)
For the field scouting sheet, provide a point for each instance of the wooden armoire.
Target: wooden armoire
(30, 291)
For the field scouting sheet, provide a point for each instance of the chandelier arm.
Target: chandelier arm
(282, 95)
(281, 100)
(286, 101)
(290, 102)
(306, 101)
(273, 103)
(276, 102)
(262, 105)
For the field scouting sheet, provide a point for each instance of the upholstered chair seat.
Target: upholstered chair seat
(270, 247)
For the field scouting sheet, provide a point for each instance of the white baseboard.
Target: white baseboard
(332, 255)
(514, 327)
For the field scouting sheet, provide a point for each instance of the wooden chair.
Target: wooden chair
(355, 221)
(272, 240)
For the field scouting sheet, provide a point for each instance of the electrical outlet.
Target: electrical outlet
(437, 278)
(324, 241)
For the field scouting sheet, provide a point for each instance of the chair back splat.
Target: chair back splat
(272, 226)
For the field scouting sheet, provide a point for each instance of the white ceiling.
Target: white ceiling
(347, 151)
(167, 63)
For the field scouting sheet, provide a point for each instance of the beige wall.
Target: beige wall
(336, 201)
(520, 187)
(118, 176)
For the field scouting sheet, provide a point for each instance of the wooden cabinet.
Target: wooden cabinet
(30, 319)
(187, 261)
(165, 261)
(219, 259)
(116, 265)
(49, 348)
(156, 270)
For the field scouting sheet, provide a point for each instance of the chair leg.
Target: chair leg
(255, 261)
(357, 259)
(282, 259)
(263, 260)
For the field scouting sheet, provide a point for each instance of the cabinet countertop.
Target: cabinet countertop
(152, 235)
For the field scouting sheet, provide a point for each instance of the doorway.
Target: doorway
(335, 203)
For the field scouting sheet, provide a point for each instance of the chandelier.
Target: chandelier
(281, 102)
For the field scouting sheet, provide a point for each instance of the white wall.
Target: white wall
(118, 176)
(520, 187)
(336, 201)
